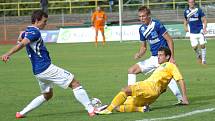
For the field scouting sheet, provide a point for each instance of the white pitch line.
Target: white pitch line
(179, 116)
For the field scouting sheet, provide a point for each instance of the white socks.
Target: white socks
(33, 104)
(174, 88)
(203, 55)
(131, 79)
(82, 97)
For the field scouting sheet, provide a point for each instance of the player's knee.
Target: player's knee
(195, 47)
(74, 84)
(48, 95)
(131, 70)
(202, 46)
(134, 69)
(117, 108)
(127, 91)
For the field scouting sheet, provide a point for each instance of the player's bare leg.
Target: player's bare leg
(103, 42)
(96, 38)
(198, 55)
(103, 36)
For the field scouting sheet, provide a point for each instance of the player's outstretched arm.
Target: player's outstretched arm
(5, 57)
(204, 21)
(185, 26)
(184, 92)
(170, 45)
(142, 50)
(93, 19)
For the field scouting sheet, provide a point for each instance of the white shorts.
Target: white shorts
(53, 75)
(196, 39)
(149, 64)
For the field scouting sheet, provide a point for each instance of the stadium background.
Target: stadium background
(14, 14)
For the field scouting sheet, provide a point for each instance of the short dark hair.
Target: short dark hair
(166, 51)
(146, 9)
(38, 15)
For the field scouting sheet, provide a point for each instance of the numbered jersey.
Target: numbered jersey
(194, 19)
(36, 50)
(153, 34)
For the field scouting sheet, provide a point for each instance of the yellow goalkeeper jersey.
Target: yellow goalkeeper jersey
(161, 77)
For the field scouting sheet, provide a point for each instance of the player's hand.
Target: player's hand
(172, 60)
(186, 30)
(204, 31)
(185, 100)
(18, 41)
(5, 58)
(137, 56)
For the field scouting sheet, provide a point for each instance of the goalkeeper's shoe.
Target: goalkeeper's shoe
(18, 115)
(104, 112)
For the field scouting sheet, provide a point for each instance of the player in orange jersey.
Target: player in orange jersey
(99, 19)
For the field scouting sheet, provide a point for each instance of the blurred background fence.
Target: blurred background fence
(15, 14)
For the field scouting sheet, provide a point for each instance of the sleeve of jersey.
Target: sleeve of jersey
(93, 17)
(32, 35)
(142, 38)
(185, 15)
(23, 35)
(161, 29)
(202, 14)
(175, 72)
(105, 17)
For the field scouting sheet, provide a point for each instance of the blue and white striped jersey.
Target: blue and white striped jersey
(153, 34)
(36, 50)
(194, 19)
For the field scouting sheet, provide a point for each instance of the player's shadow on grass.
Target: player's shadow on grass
(197, 100)
(63, 114)
(67, 114)
(202, 100)
(162, 107)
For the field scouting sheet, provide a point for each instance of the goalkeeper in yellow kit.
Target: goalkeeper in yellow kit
(145, 92)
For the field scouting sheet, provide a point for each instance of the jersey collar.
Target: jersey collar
(34, 27)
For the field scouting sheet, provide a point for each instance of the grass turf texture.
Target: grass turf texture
(103, 72)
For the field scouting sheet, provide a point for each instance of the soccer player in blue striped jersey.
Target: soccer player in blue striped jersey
(45, 72)
(155, 34)
(196, 19)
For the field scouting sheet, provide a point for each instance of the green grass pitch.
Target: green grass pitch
(103, 72)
